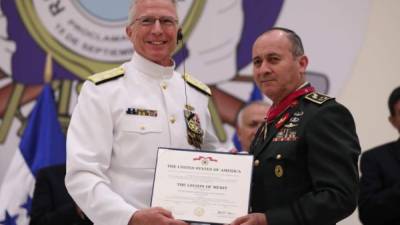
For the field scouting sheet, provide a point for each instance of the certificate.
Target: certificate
(199, 186)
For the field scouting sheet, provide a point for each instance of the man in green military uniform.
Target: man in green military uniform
(305, 155)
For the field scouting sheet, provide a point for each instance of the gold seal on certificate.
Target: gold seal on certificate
(199, 211)
(202, 186)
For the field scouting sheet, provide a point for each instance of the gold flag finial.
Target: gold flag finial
(48, 68)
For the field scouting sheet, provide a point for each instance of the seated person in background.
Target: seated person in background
(248, 121)
(379, 201)
(51, 202)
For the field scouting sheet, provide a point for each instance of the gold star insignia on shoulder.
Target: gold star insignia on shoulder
(197, 84)
(317, 97)
(107, 75)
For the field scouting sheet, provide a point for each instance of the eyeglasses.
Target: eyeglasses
(165, 21)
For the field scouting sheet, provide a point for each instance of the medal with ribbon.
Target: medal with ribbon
(289, 101)
(194, 131)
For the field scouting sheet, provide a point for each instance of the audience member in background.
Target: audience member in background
(379, 202)
(51, 202)
(249, 120)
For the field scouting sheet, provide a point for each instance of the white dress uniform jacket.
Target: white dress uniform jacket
(111, 153)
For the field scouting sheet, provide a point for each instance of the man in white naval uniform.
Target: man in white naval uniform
(123, 115)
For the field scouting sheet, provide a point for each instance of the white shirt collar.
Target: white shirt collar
(152, 69)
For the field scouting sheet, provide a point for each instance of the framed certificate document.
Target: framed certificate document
(199, 186)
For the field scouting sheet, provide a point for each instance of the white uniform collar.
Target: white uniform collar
(152, 69)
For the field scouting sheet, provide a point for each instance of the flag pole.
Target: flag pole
(48, 68)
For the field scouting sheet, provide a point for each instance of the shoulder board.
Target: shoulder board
(197, 84)
(317, 97)
(107, 75)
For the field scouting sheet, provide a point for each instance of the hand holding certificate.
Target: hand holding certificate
(199, 186)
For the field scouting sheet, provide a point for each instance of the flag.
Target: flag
(42, 144)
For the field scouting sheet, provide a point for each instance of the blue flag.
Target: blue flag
(42, 144)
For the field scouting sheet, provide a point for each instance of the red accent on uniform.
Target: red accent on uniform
(276, 110)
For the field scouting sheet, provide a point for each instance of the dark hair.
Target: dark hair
(393, 99)
(297, 45)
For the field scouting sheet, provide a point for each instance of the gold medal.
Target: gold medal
(194, 131)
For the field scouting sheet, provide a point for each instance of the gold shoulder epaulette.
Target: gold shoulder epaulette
(317, 97)
(107, 75)
(197, 84)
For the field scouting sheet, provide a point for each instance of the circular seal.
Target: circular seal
(199, 211)
(85, 38)
(204, 162)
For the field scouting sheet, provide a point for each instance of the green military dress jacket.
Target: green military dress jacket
(305, 164)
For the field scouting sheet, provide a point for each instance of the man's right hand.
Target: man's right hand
(251, 219)
(154, 216)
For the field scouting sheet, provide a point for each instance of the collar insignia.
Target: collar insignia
(317, 98)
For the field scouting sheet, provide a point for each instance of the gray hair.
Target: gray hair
(239, 119)
(132, 11)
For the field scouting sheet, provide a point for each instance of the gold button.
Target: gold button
(164, 85)
(256, 162)
(172, 119)
(142, 127)
(278, 156)
(278, 171)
